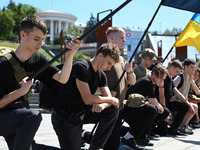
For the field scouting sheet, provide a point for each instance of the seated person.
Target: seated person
(164, 95)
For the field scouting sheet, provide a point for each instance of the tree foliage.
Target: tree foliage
(11, 17)
(6, 24)
(92, 37)
(174, 31)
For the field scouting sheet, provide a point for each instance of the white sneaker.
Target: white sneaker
(188, 127)
(196, 125)
(185, 130)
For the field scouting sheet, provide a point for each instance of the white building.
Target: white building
(81, 27)
(55, 22)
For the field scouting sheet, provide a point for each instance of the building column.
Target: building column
(59, 27)
(66, 26)
(56, 28)
(51, 30)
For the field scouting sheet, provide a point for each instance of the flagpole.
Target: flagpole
(145, 32)
(82, 37)
(168, 54)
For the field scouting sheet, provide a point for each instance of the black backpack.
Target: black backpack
(48, 93)
(181, 82)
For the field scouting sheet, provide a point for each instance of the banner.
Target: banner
(190, 36)
(190, 5)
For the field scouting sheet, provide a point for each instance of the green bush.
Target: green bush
(80, 56)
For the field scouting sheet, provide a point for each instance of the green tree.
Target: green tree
(92, 37)
(6, 24)
(20, 11)
(167, 32)
(70, 33)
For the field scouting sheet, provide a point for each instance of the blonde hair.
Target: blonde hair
(112, 30)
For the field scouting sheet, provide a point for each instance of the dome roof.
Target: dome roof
(55, 14)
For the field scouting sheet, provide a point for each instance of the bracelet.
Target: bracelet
(130, 72)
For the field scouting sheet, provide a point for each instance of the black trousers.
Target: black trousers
(140, 119)
(114, 140)
(181, 109)
(18, 127)
(161, 117)
(69, 134)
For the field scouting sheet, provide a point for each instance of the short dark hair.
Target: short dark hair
(160, 70)
(177, 64)
(109, 49)
(188, 62)
(29, 22)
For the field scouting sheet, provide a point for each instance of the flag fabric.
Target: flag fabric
(190, 36)
(190, 5)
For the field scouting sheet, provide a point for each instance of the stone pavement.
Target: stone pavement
(46, 135)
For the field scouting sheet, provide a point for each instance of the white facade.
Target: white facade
(132, 40)
(55, 22)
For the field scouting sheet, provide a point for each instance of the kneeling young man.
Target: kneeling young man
(77, 103)
(140, 119)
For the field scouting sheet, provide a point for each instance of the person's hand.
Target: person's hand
(160, 108)
(74, 45)
(98, 107)
(25, 85)
(115, 102)
(128, 67)
(191, 108)
(113, 93)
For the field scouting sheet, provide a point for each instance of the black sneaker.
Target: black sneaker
(86, 139)
(144, 142)
(131, 143)
(153, 135)
(175, 132)
(186, 130)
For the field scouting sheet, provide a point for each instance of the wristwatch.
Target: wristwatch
(130, 72)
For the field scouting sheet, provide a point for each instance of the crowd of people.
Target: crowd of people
(152, 102)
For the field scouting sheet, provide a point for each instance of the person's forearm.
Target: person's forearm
(96, 99)
(12, 96)
(131, 78)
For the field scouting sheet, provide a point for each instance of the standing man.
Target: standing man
(77, 103)
(19, 124)
(148, 55)
(116, 35)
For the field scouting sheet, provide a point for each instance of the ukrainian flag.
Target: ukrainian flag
(190, 36)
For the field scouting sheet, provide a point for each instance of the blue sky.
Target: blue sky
(136, 14)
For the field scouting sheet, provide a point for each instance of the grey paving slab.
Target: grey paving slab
(46, 135)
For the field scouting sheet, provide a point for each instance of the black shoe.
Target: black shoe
(83, 142)
(86, 139)
(131, 143)
(175, 132)
(153, 135)
(144, 142)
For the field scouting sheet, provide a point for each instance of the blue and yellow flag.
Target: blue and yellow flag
(190, 5)
(190, 36)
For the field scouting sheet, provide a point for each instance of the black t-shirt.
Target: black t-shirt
(168, 87)
(69, 97)
(8, 82)
(143, 86)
